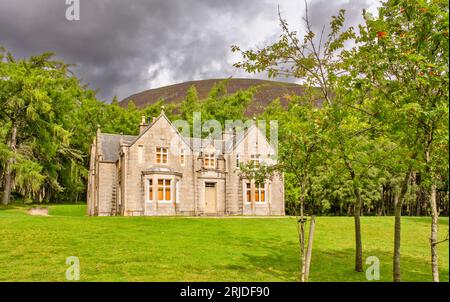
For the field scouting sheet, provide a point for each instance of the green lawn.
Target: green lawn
(34, 248)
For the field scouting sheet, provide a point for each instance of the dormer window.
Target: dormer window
(209, 160)
(162, 155)
(256, 160)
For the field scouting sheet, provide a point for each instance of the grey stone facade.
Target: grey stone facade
(161, 173)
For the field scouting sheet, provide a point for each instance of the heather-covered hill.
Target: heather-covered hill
(266, 92)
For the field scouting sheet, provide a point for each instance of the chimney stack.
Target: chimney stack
(228, 137)
(143, 125)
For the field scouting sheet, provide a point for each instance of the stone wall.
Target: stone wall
(138, 164)
(141, 156)
(107, 180)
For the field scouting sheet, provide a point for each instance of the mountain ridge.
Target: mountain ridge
(266, 92)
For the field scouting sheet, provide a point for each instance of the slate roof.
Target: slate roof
(110, 145)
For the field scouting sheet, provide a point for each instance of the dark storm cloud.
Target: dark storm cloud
(320, 11)
(122, 47)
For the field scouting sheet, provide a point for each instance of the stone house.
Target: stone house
(161, 172)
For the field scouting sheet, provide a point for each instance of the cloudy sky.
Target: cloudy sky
(123, 47)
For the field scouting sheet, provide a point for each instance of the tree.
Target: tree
(33, 94)
(222, 106)
(402, 59)
(190, 104)
(317, 62)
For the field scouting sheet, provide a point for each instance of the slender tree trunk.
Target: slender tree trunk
(434, 218)
(302, 251)
(419, 195)
(301, 235)
(8, 170)
(310, 245)
(434, 234)
(398, 201)
(397, 237)
(358, 240)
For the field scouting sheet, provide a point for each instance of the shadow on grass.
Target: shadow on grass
(280, 259)
(443, 220)
(282, 262)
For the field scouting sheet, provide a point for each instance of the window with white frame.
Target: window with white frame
(209, 160)
(255, 159)
(141, 153)
(260, 193)
(162, 155)
(164, 189)
(248, 192)
(177, 190)
(150, 189)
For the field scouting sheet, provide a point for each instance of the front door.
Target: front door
(210, 198)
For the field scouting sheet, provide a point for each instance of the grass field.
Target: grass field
(34, 248)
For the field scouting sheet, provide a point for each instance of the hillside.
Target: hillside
(267, 91)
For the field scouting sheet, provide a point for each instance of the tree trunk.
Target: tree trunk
(434, 218)
(8, 169)
(301, 235)
(310, 245)
(302, 251)
(397, 237)
(434, 234)
(358, 240)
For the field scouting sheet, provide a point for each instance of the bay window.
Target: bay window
(164, 190)
(260, 193)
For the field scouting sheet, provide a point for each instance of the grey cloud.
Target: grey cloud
(122, 47)
(320, 11)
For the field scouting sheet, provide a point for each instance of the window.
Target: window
(150, 189)
(164, 190)
(162, 155)
(248, 192)
(255, 159)
(238, 160)
(141, 153)
(260, 193)
(182, 157)
(177, 195)
(209, 161)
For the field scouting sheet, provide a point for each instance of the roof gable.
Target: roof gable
(250, 135)
(162, 116)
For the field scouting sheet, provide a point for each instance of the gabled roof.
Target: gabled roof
(110, 143)
(229, 145)
(162, 115)
(198, 144)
